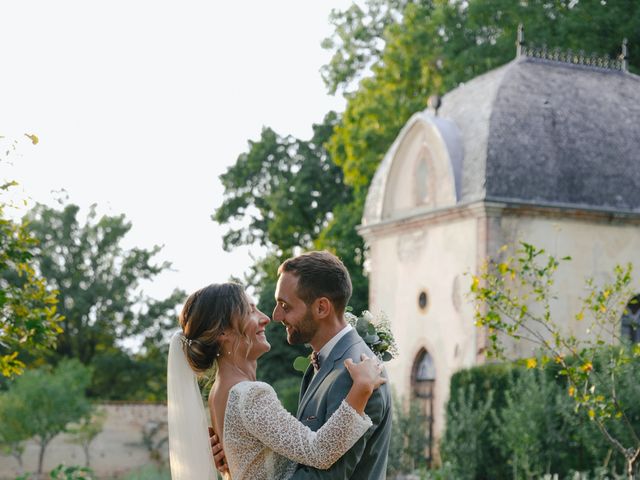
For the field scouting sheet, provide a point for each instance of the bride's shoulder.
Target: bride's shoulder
(248, 387)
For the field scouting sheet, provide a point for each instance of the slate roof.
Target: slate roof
(551, 133)
(537, 132)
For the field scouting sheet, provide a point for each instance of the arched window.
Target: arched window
(423, 378)
(631, 321)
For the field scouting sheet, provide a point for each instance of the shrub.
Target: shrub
(504, 421)
(409, 440)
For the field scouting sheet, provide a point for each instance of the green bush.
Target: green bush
(532, 428)
(62, 472)
(409, 440)
(469, 391)
(149, 473)
(464, 442)
(504, 421)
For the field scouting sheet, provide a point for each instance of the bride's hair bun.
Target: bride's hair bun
(205, 315)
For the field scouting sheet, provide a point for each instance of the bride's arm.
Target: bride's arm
(266, 418)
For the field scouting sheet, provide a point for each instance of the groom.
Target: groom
(312, 292)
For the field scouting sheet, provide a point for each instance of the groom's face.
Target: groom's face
(291, 310)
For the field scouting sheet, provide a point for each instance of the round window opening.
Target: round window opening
(423, 301)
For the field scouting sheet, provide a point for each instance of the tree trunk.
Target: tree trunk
(87, 458)
(17, 454)
(43, 447)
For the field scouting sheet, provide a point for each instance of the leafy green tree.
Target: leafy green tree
(356, 40)
(99, 290)
(28, 315)
(52, 399)
(87, 429)
(121, 375)
(285, 187)
(13, 432)
(402, 52)
(514, 296)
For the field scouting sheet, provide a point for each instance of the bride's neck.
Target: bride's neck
(233, 368)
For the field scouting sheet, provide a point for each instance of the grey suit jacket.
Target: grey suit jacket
(321, 395)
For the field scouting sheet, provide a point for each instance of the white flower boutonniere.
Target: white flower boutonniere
(376, 333)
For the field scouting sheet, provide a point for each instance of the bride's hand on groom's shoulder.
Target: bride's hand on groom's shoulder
(367, 373)
(218, 453)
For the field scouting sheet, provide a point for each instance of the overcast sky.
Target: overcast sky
(141, 104)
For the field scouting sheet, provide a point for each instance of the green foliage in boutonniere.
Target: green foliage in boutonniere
(375, 331)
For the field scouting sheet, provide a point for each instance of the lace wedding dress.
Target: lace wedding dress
(264, 441)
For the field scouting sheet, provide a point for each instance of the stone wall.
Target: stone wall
(118, 449)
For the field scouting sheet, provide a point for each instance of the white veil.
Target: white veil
(189, 450)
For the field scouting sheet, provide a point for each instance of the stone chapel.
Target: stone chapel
(545, 149)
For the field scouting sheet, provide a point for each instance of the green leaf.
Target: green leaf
(301, 364)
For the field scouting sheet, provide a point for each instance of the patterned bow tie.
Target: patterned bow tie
(315, 361)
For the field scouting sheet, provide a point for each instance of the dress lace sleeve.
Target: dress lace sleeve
(265, 417)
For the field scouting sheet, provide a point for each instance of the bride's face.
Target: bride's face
(254, 331)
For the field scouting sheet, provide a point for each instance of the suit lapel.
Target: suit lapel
(336, 355)
(306, 379)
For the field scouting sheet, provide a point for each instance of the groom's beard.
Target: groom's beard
(304, 331)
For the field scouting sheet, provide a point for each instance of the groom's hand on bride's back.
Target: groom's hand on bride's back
(218, 454)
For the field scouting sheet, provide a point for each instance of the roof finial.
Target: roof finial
(520, 41)
(434, 102)
(624, 56)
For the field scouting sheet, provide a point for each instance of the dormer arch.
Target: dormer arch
(420, 172)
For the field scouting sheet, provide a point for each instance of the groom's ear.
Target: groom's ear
(322, 307)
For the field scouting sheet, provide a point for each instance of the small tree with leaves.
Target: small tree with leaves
(513, 296)
(13, 432)
(45, 402)
(87, 429)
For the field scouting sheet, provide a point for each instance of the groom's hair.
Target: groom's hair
(320, 274)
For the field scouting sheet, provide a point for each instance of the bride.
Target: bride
(223, 329)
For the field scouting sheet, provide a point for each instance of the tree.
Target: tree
(356, 40)
(99, 290)
(285, 187)
(28, 316)
(13, 432)
(46, 401)
(514, 297)
(87, 429)
(402, 52)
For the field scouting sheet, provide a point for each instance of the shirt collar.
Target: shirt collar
(326, 350)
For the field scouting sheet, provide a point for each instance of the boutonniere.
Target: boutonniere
(374, 330)
(376, 333)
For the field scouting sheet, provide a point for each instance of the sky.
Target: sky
(140, 105)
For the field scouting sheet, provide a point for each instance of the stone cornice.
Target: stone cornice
(497, 207)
